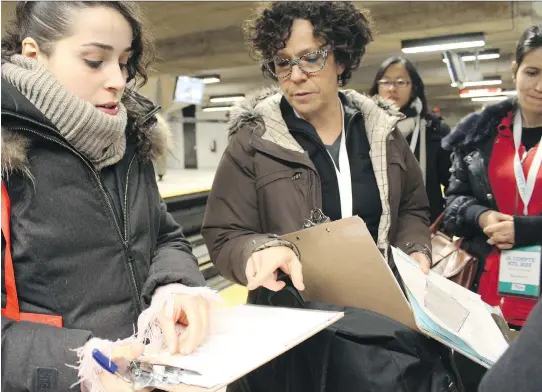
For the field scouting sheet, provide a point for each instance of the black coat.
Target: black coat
(364, 351)
(469, 193)
(438, 163)
(91, 246)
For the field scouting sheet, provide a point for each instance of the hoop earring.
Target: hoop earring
(340, 81)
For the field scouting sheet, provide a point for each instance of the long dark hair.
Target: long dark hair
(418, 88)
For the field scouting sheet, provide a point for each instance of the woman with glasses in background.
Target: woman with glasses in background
(306, 147)
(399, 81)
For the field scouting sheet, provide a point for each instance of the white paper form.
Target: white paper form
(245, 337)
(477, 335)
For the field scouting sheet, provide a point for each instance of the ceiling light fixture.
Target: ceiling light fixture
(441, 44)
(489, 99)
(226, 98)
(486, 92)
(208, 79)
(488, 54)
(489, 81)
(216, 108)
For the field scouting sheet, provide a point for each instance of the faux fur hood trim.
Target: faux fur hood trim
(261, 111)
(153, 142)
(479, 125)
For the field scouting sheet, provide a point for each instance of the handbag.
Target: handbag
(449, 259)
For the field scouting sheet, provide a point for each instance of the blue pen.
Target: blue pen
(107, 364)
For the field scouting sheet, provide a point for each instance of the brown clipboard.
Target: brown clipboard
(343, 266)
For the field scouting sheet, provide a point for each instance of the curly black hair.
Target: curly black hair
(343, 26)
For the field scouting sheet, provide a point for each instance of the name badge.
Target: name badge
(519, 273)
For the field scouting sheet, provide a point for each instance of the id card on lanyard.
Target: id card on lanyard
(343, 176)
(519, 272)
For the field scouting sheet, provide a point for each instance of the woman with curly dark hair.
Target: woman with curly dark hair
(87, 242)
(310, 147)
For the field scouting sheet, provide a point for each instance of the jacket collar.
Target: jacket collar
(261, 111)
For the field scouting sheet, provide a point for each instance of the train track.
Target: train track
(188, 211)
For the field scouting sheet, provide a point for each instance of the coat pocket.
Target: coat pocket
(397, 160)
(276, 176)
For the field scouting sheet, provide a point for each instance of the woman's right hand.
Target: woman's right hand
(492, 217)
(262, 268)
(122, 353)
(499, 228)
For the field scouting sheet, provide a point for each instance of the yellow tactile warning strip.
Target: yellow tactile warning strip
(234, 295)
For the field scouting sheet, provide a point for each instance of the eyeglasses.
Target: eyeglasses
(399, 83)
(309, 63)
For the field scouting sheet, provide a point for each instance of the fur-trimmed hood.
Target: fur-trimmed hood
(261, 108)
(153, 136)
(479, 125)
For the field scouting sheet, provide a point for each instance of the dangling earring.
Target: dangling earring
(340, 81)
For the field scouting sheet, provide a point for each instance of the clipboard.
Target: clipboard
(343, 266)
(242, 339)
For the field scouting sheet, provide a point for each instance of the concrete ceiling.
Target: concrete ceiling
(205, 37)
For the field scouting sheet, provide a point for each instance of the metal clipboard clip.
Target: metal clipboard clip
(317, 217)
(146, 374)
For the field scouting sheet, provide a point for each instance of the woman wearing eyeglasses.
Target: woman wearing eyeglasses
(310, 146)
(399, 81)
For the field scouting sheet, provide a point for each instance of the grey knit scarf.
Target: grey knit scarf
(97, 135)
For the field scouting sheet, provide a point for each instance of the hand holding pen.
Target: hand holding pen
(112, 379)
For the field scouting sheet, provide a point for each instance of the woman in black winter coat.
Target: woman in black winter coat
(398, 81)
(88, 236)
(484, 203)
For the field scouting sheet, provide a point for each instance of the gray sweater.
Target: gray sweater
(519, 369)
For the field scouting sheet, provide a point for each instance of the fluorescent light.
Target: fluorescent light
(489, 54)
(491, 92)
(227, 98)
(489, 99)
(208, 79)
(449, 42)
(480, 92)
(488, 82)
(216, 108)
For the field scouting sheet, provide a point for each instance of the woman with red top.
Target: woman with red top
(494, 200)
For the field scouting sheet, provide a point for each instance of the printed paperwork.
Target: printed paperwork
(242, 339)
(450, 313)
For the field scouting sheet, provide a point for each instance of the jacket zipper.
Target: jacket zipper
(130, 258)
(102, 189)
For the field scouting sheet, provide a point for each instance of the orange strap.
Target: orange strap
(12, 301)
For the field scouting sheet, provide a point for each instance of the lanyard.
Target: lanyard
(343, 176)
(525, 186)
